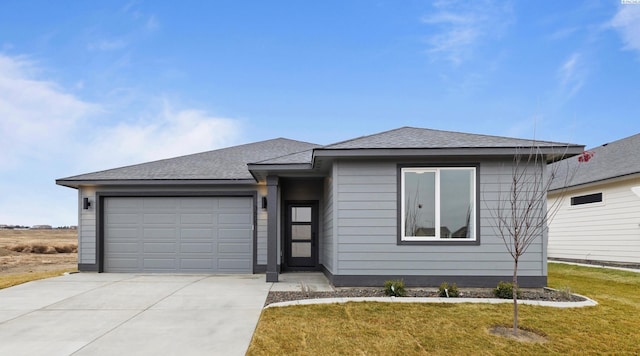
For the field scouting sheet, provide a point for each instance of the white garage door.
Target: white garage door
(178, 234)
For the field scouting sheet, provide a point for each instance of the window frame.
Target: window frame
(430, 240)
(582, 200)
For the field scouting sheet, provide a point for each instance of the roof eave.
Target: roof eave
(279, 167)
(596, 182)
(553, 153)
(121, 182)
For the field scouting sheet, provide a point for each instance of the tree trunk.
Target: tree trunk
(515, 296)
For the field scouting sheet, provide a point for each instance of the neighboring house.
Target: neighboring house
(598, 219)
(408, 203)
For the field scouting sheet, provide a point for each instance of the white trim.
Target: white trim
(437, 225)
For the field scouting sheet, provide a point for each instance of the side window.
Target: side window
(586, 199)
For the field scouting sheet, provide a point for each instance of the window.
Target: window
(438, 203)
(586, 199)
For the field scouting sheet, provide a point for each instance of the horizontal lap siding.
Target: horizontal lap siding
(262, 236)
(607, 231)
(327, 242)
(366, 221)
(87, 228)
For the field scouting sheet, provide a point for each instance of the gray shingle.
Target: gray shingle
(294, 158)
(223, 164)
(411, 137)
(615, 159)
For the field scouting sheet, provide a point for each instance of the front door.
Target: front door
(301, 236)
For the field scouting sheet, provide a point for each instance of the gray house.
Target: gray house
(408, 203)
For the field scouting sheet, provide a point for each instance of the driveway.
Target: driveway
(132, 314)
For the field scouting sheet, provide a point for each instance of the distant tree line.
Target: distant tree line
(41, 227)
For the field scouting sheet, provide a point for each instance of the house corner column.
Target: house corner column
(272, 228)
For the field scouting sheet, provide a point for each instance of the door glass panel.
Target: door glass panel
(300, 249)
(301, 232)
(301, 214)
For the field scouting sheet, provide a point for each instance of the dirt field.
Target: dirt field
(23, 251)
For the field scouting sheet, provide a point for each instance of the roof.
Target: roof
(611, 160)
(223, 164)
(241, 163)
(412, 137)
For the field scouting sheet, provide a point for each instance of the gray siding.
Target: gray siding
(87, 227)
(262, 228)
(327, 239)
(366, 221)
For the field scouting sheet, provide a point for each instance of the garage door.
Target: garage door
(178, 234)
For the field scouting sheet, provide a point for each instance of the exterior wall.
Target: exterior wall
(87, 229)
(606, 231)
(262, 228)
(328, 241)
(366, 222)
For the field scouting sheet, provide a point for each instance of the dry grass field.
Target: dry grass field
(36, 251)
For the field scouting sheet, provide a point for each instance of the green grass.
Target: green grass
(612, 327)
(11, 280)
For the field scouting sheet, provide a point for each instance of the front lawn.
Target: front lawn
(10, 280)
(612, 327)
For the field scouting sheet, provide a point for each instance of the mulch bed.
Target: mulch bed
(528, 294)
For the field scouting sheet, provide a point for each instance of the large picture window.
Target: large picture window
(438, 203)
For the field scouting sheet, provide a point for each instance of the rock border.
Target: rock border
(587, 302)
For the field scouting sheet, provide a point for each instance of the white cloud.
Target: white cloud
(572, 74)
(48, 133)
(461, 26)
(627, 22)
(169, 133)
(35, 113)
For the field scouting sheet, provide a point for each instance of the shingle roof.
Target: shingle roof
(611, 160)
(223, 164)
(231, 163)
(411, 137)
(293, 158)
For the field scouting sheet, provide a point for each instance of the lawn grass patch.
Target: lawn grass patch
(10, 280)
(398, 328)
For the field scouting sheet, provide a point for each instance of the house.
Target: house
(362, 211)
(598, 217)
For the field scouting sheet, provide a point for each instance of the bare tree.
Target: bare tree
(521, 215)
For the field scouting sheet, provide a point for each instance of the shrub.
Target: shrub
(21, 248)
(67, 248)
(394, 288)
(565, 292)
(448, 291)
(504, 290)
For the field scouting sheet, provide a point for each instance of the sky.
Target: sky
(92, 85)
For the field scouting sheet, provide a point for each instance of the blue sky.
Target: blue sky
(88, 85)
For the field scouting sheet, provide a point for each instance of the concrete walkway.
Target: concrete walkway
(131, 314)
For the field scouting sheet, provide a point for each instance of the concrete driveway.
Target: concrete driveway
(132, 314)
